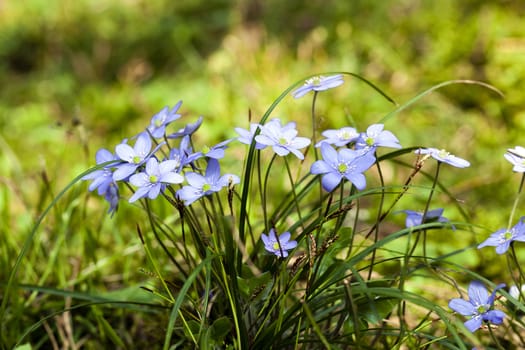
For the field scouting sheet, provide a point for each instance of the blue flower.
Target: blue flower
(102, 178)
(157, 126)
(319, 83)
(346, 163)
(375, 136)
(132, 156)
(414, 218)
(246, 136)
(340, 137)
(184, 154)
(216, 152)
(479, 307)
(112, 197)
(516, 156)
(444, 157)
(188, 130)
(199, 186)
(283, 139)
(154, 179)
(278, 245)
(502, 239)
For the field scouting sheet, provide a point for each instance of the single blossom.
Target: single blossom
(415, 218)
(375, 136)
(216, 152)
(339, 137)
(133, 157)
(188, 130)
(183, 155)
(282, 139)
(445, 157)
(502, 239)
(246, 136)
(345, 164)
(112, 197)
(154, 179)
(278, 245)
(318, 83)
(102, 178)
(480, 306)
(159, 121)
(516, 156)
(199, 185)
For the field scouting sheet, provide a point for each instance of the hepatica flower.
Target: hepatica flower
(340, 137)
(159, 121)
(415, 218)
(132, 156)
(283, 139)
(480, 306)
(445, 157)
(345, 164)
(246, 136)
(516, 156)
(102, 178)
(375, 136)
(154, 178)
(278, 245)
(216, 152)
(188, 130)
(199, 185)
(502, 239)
(318, 83)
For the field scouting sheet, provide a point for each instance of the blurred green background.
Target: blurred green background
(79, 75)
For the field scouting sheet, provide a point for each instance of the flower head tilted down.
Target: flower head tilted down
(444, 157)
(516, 156)
(502, 239)
(479, 307)
(415, 218)
(343, 164)
(318, 83)
(278, 245)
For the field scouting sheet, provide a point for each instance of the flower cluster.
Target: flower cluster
(159, 162)
(150, 169)
(355, 155)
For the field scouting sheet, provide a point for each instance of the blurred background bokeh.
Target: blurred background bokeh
(79, 75)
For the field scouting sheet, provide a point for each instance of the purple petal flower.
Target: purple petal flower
(340, 137)
(319, 83)
(348, 164)
(479, 307)
(444, 157)
(375, 136)
(246, 136)
(516, 156)
(112, 197)
(184, 154)
(414, 218)
(154, 179)
(102, 178)
(188, 130)
(502, 239)
(283, 139)
(216, 152)
(159, 121)
(199, 186)
(132, 156)
(278, 246)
